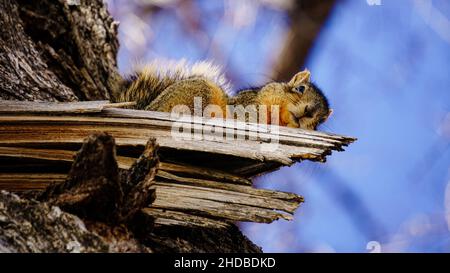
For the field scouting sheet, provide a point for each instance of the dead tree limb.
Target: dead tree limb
(110, 205)
(94, 189)
(138, 182)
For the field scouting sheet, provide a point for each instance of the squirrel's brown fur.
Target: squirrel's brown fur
(161, 86)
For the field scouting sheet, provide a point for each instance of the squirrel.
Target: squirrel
(161, 85)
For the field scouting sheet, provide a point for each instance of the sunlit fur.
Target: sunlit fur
(292, 103)
(161, 85)
(151, 79)
(314, 102)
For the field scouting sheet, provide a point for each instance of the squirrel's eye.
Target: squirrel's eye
(307, 113)
(300, 88)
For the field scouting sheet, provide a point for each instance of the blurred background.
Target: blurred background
(385, 67)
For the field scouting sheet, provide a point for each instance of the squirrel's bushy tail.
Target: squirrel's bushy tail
(152, 79)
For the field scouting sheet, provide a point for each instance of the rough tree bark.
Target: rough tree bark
(104, 200)
(108, 206)
(53, 51)
(22, 222)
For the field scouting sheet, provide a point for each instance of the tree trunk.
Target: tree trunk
(53, 51)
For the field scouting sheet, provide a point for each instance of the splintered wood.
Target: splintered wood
(201, 181)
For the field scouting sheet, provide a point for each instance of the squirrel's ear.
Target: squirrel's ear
(329, 113)
(301, 77)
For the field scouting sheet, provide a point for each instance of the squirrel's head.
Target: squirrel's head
(307, 105)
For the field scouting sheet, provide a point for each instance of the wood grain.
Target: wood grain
(201, 181)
